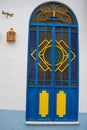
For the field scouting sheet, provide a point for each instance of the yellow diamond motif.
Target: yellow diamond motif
(62, 47)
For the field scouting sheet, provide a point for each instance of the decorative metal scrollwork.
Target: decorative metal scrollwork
(45, 55)
(57, 13)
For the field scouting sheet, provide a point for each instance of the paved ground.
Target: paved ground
(15, 120)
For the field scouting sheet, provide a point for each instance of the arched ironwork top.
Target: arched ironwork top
(53, 12)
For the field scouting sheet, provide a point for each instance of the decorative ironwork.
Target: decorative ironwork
(58, 13)
(62, 55)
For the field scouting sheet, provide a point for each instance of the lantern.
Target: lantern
(11, 35)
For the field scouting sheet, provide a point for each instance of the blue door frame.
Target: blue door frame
(52, 91)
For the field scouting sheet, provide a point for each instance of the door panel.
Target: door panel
(52, 76)
(51, 58)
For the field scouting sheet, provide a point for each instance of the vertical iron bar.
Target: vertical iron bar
(53, 56)
(69, 74)
(44, 71)
(69, 52)
(36, 75)
(53, 72)
(37, 49)
(61, 39)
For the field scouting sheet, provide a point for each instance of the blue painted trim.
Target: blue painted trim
(58, 25)
(28, 65)
(55, 80)
(28, 54)
(78, 64)
(51, 31)
(56, 87)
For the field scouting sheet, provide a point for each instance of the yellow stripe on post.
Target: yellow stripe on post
(43, 103)
(61, 104)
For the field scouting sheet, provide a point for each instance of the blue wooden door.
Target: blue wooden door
(52, 76)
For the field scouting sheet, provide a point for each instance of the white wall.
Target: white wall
(13, 57)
